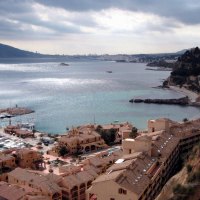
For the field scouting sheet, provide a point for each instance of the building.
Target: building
(7, 164)
(148, 162)
(122, 130)
(81, 140)
(160, 124)
(28, 158)
(42, 185)
(74, 185)
(18, 131)
(11, 192)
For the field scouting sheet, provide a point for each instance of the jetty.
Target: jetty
(15, 111)
(180, 101)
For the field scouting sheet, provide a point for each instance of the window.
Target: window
(122, 191)
(112, 199)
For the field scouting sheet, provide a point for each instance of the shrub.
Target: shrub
(134, 133)
(194, 177)
(185, 120)
(63, 151)
(189, 168)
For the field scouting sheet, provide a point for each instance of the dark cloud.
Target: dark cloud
(18, 16)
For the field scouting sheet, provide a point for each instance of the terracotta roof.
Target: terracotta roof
(11, 192)
(77, 179)
(38, 181)
(131, 173)
(5, 157)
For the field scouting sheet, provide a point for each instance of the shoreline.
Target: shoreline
(192, 95)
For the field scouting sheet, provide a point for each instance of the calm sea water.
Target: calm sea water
(66, 96)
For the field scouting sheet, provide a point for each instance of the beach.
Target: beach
(192, 95)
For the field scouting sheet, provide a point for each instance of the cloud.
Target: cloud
(104, 25)
(182, 10)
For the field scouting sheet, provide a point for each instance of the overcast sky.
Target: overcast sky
(100, 26)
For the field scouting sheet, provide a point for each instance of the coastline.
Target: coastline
(192, 95)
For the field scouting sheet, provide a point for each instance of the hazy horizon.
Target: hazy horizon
(100, 27)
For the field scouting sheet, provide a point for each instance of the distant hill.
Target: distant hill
(186, 71)
(7, 51)
(182, 51)
(11, 52)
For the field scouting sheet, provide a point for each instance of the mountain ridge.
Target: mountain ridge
(7, 51)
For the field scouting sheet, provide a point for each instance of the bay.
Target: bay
(84, 92)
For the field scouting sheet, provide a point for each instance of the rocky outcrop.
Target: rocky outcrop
(16, 111)
(179, 101)
(161, 63)
(186, 183)
(186, 71)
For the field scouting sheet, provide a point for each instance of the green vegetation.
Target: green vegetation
(186, 71)
(192, 165)
(63, 151)
(134, 133)
(189, 168)
(185, 119)
(182, 192)
(194, 177)
(109, 136)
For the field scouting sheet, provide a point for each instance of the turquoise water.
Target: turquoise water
(66, 96)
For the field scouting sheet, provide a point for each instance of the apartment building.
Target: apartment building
(39, 184)
(28, 158)
(148, 162)
(25, 158)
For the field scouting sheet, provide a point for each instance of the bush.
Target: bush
(194, 177)
(108, 136)
(134, 133)
(185, 120)
(63, 151)
(183, 191)
(189, 168)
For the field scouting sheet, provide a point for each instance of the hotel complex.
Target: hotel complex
(137, 170)
(147, 163)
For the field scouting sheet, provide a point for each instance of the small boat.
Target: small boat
(64, 64)
(109, 71)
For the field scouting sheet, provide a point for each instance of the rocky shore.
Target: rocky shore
(180, 101)
(16, 111)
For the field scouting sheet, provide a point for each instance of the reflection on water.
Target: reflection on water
(63, 96)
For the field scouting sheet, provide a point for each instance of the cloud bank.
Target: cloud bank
(106, 26)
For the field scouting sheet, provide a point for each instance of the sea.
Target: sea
(85, 92)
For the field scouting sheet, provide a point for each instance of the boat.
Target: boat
(109, 71)
(29, 126)
(64, 64)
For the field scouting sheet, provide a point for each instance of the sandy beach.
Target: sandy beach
(192, 95)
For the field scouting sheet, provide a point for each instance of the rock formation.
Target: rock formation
(179, 101)
(186, 71)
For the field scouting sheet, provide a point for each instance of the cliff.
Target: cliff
(186, 71)
(186, 184)
(161, 63)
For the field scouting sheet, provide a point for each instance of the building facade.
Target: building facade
(148, 162)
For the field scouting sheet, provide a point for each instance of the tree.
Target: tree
(133, 133)
(185, 120)
(63, 151)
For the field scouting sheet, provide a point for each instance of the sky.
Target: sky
(100, 26)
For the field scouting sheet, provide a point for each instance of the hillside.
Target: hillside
(11, 52)
(186, 184)
(186, 71)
